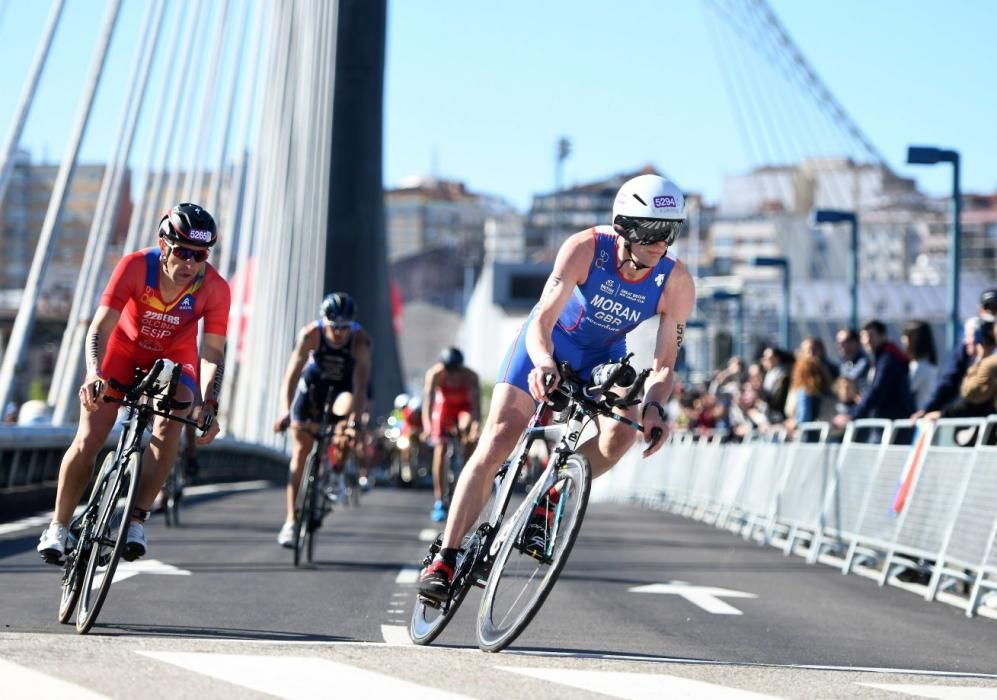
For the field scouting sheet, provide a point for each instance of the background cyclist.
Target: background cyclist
(332, 352)
(149, 310)
(451, 399)
(605, 282)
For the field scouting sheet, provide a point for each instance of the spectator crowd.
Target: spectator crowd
(868, 376)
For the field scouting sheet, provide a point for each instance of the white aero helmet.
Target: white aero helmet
(648, 209)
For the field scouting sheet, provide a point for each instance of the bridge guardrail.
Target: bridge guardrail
(892, 496)
(30, 458)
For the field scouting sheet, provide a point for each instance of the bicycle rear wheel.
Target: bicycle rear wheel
(73, 569)
(109, 533)
(429, 620)
(351, 475)
(304, 511)
(521, 578)
(171, 500)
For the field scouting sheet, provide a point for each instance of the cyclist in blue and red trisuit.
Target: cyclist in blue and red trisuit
(149, 310)
(605, 282)
(332, 352)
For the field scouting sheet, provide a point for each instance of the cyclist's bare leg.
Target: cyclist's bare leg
(508, 416)
(469, 439)
(301, 446)
(78, 461)
(162, 452)
(606, 448)
(438, 449)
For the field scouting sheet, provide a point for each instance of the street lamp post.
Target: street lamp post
(929, 155)
(724, 295)
(784, 319)
(835, 216)
(563, 151)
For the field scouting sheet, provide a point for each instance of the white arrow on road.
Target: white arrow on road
(706, 597)
(127, 569)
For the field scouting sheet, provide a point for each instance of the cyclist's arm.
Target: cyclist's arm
(361, 375)
(307, 341)
(212, 368)
(99, 332)
(474, 389)
(570, 269)
(429, 395)
(674, 308)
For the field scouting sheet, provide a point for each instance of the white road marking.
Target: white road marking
(46, 518)
(942, 692)
(408, 576)
(21, 682)
(32, 522)
(127, 569)
(705, 597)
(302, 677)
(396, 635)
(428, 534)
(636, 686)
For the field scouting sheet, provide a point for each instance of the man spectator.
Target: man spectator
(950, 377)
(854, 362)
(979, 387)
(888, 393)
(778, 364)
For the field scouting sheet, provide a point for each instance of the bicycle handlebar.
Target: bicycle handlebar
(596, 396)
(145, 386)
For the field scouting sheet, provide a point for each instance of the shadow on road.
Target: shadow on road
(191, 632)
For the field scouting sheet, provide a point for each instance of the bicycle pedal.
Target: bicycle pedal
(50, 556)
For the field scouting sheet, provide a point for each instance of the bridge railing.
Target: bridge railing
(890, 497)
(30, 458)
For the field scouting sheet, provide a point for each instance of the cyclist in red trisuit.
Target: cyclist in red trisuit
(149, 310)
(451, 400)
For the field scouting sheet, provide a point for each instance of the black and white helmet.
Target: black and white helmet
(648, 209)
(188, 224)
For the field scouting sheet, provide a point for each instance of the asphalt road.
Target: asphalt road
(217, 609)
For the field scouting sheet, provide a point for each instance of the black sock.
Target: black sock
(448, 556)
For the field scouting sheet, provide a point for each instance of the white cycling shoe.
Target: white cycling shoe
(136, 545)
(285, 538)
(52, 543)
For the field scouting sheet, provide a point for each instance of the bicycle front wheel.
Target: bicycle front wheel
(109, 533)
(304, 511)
(529, 560)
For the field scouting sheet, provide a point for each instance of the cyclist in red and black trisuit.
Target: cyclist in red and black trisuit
(450, 400)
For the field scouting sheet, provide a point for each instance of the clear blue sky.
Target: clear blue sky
(481, 91)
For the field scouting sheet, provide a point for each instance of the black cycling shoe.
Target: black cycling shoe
(434, 581)
(537, 530)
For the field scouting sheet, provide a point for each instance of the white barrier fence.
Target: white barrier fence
(892, 496)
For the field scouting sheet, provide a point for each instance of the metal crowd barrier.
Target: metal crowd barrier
(891, 496)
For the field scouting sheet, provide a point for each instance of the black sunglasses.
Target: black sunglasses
(188, 254)
(649, 231)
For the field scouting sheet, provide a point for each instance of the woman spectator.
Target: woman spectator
(810, 396)
(978, 393)
(919, 344)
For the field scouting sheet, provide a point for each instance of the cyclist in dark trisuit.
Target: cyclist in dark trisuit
(605, 282)
(332, 352)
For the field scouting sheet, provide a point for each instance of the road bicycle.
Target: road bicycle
(97, 536)
(315, 491)
(502, 555)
